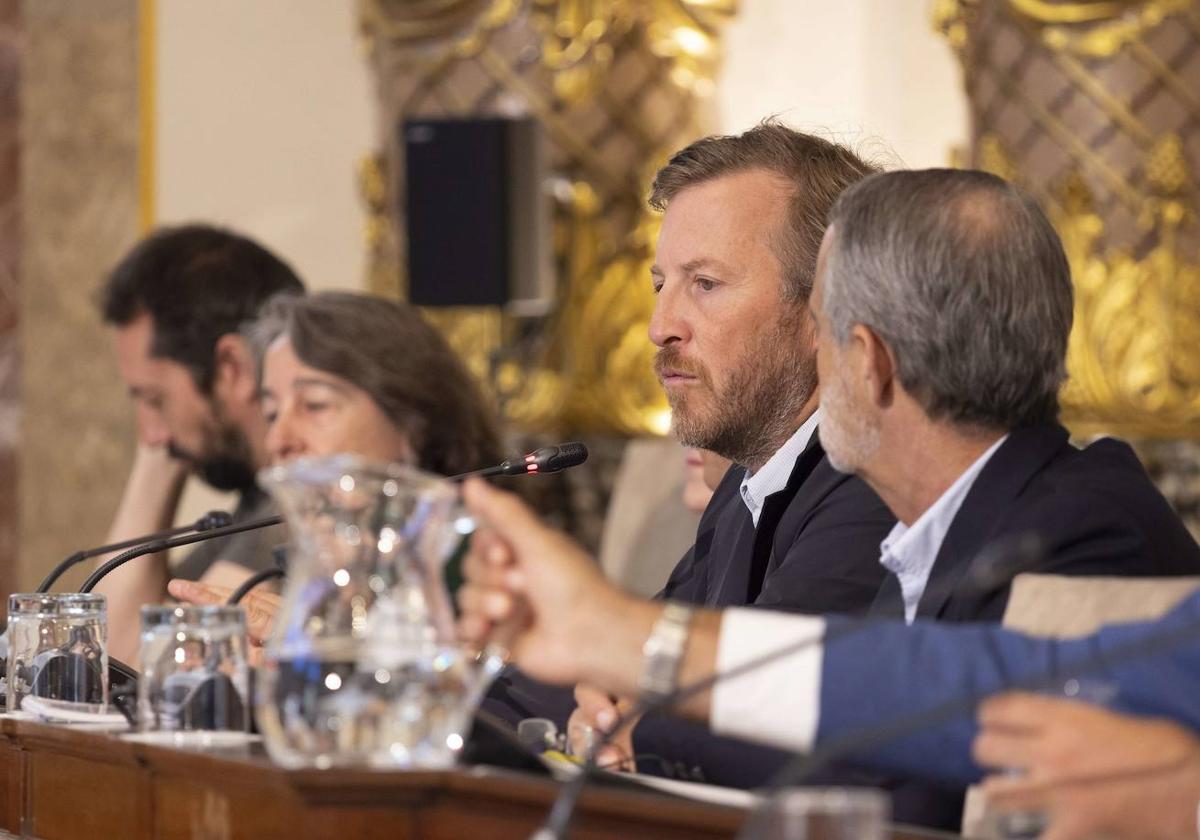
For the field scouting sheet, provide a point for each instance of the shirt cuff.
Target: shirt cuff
(777, 702)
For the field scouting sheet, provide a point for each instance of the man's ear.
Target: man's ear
(235, 374)
(878, 365)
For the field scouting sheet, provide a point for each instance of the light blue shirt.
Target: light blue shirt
(773, 476)
(909, 552)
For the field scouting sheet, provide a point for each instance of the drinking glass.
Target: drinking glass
(1026, 825)
(195, 677)
(58, 650)
(833, 813)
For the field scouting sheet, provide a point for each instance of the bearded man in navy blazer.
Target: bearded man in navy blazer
(743, 218)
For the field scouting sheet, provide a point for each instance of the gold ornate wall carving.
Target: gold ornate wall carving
(617, 85)
(1095, 108)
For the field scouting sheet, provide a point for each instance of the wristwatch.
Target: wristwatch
(662, 653)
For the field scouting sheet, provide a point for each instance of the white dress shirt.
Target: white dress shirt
(782, 700)
(773, 476)
(909, 551)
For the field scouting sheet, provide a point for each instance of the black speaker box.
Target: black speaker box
(475, 213)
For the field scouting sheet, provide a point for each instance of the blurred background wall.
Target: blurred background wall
(280, 118)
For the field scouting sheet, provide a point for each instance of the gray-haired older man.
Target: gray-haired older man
(943, 308)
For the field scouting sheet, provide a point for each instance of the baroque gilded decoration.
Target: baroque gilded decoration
(1095, 108)
(616, 85)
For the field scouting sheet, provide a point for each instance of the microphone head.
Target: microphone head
(548, 459)
(213, 519)
(1001, 560)
(562, 457)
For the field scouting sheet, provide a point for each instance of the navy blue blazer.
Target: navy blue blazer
(815, 550)
(1095, 512)
(868, 669)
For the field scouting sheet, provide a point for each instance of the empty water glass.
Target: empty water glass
(195, 677)
(826, 814)
(58, 650)
(1026, 825)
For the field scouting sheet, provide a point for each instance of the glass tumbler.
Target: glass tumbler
(827, 814)
(1027, 825)
(58, 650)
(195, 676)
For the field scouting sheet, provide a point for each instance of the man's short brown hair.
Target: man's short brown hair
(818, 170)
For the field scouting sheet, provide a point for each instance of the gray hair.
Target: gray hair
(961, 274)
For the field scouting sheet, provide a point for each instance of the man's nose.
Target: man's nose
(152, 427)
(667, 323)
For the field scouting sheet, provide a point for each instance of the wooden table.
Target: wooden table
(59, 782)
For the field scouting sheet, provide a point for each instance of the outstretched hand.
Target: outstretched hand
(533, 591)
(1093, 772)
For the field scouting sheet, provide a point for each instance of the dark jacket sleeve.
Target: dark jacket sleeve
(831, 563)
(1083, 534)
(827, 563)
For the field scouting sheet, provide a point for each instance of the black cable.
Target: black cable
(254, 580)
(210, 520)
(175, 542)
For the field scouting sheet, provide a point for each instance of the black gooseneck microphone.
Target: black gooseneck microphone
(996, 563)
(212, 519)
(548, 459)
(174, 542)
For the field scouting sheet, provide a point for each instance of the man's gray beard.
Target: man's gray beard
(848, 438)
(757, 411)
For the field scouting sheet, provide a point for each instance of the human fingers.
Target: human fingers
(193, 592)
(1017, 710)
(1007, 793)
(581, 735)
(611, 758)
(260, 607)
(502, 512)
(1007, 748)
(489, 603)
(260, 616)
(597, 707)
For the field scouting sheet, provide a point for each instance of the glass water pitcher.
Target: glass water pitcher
(363, 668)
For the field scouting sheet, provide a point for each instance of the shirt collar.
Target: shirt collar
(909, 551)
(773, 476)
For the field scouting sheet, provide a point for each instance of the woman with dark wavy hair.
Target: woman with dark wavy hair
(345, 372)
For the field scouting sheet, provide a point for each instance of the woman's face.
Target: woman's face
(702, 472)
(311, 413)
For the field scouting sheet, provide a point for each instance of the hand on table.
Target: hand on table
(600, 711)
(261, 609)
(1091, 771)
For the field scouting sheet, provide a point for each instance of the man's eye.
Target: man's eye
(706, 284)
(270, 416)
(315, 406)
